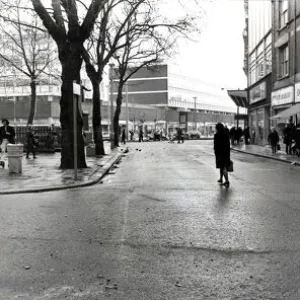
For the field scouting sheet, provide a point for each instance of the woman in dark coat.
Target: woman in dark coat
(222, 152)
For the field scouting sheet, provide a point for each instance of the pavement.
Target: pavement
(43, 174)
(266, 152)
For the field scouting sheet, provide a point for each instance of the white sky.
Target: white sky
(217, 56)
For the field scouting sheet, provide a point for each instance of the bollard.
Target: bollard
(15, 155)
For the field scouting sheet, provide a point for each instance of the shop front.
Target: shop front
(259, 111)
(283, 107)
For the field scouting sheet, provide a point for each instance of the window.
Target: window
(283, 13)
(268, 58)
(284, 61)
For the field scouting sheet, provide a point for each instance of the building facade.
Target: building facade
(156, 98)
(259, 68)
(286, 63)
(177, 100)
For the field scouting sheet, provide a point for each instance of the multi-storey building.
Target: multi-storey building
(259, 67)
(156, 97)
(286, 62)
(178, 100)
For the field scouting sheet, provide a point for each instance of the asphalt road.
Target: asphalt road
(158, 227)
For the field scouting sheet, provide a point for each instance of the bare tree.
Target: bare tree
(69, 30)
(148, 40)
(110, 27)
(27, 48)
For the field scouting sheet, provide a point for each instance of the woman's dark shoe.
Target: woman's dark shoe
(226, 184)
(220, 180)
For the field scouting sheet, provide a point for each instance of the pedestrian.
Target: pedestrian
(123, 137)
(131, 134)
(7, 136)
(180, 137)
(32, 143)
(232, 134)
(178, 134)
(296, 138)
(287, 138)
(141, 135)
(247, 135)
(239, 134)
(226, 130)
(222, 153)
(273, 139)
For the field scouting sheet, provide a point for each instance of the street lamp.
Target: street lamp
(127, 112)
(195, 107)
(111, 65)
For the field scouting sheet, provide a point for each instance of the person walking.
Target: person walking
(141, 135)
(287, 138)
(232, 134)
(247, 135)
(7, 136)
(131, 134)
(31, 143)
(123, 137)
(273, 139)
(239, 134)
(222, 153)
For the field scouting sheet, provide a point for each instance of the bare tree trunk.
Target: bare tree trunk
(32, 102)
(71, 61)
(97, 128)
(95, 79)
(117, 115)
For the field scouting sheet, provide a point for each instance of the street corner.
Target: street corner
(43, 174)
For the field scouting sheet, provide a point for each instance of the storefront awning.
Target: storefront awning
(293, 110)
(239, 97)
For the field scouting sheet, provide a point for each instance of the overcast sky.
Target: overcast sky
(218, 55)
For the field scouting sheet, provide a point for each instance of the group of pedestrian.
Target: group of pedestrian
(291, 134)
(237, 133)
(131, 133)
(8, 135)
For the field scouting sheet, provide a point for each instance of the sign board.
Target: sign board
(282, 96)
(76, 89)
(297, 92)
(258, 93)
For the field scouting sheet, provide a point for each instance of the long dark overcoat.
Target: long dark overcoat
(222, 149)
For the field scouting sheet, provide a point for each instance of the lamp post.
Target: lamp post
(108, 109)
(111, 107)
(295, 53)
(127, 112)
(195, 107)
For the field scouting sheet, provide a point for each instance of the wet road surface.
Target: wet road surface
(158, 227)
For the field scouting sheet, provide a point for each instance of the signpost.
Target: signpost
(76, 92)
(112, 133)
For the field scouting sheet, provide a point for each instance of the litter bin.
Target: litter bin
(15, 155)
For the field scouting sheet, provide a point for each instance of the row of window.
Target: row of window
(260, 60)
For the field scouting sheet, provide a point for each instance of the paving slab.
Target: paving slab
(43, 173)
(266, 151)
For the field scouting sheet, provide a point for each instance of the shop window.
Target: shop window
(284, 61)
(283, 10)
